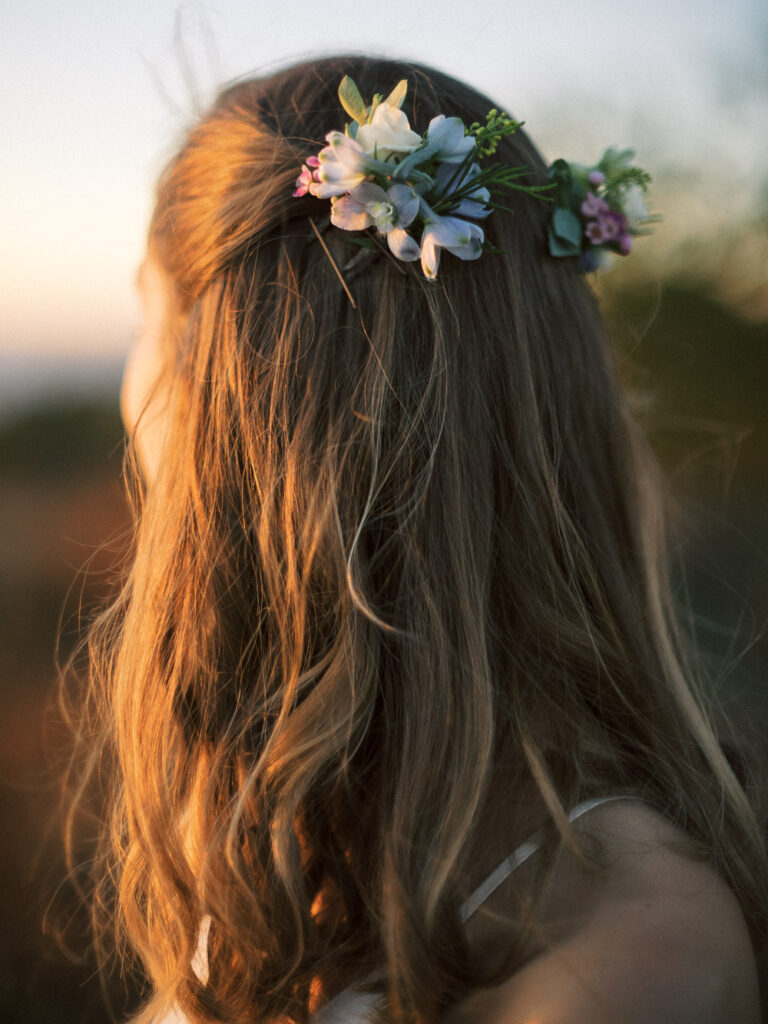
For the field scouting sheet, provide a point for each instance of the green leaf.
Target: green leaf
(580, 175)
(614, 162)
(351, 100)
(363, 241)
(374, 103)
(560, 171)
(397, 96)
(575, 196)
(559, 248)
(567, 226)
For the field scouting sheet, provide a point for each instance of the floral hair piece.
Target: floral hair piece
(425, 193)
(598, 210)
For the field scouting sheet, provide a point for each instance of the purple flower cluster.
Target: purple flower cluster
(604, 225)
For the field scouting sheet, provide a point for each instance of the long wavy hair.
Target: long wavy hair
(393, 553)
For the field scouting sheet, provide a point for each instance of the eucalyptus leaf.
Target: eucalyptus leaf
(560, 174)
(576, 195)
(614, 161)
(559, 171)
(397, 96)
(561, 248)
(352, 101)
(567, 226)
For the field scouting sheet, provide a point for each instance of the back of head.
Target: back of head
(390, 547)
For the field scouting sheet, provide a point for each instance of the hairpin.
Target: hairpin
(425, 193)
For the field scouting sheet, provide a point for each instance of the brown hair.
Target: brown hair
(389, 552)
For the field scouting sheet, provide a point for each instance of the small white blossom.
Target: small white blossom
(634, 207)
(387, 134)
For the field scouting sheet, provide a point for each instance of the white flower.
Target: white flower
(342, 166)
(390, 212)
(387, 133)
(634, 208)
(369, 204)
(461, 237)
(407, 202)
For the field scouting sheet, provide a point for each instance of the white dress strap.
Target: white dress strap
(519, 856)
(349, 1007)
(200, 959)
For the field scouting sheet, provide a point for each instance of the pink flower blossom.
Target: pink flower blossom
(594, 205)
(594, 232)
(613, 224)
(307, 176)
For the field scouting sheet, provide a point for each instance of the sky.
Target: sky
(97, 94)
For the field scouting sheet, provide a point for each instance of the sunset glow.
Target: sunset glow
(96, 97)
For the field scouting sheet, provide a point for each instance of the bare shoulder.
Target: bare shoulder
(658, 936)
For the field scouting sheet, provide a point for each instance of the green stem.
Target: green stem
(465, 164)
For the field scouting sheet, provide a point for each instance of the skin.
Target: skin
(655, 937)
(142, 401)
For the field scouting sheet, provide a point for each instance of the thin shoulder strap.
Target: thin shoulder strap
(519, 856)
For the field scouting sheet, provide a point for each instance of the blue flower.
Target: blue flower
(461, 237)
(447, 180)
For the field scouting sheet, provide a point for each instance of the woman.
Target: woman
(399, 604)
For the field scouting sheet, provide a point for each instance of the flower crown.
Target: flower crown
(425, 193)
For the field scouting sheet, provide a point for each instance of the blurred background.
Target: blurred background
(95, 98)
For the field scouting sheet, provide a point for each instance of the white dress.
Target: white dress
(353, 1006)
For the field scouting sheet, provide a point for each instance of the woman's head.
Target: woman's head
(498, 374)
(386, 549)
